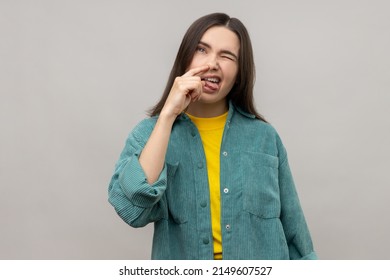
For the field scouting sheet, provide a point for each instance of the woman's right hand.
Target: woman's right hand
(185, 89)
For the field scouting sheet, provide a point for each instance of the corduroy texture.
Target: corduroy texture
(261, 217)
(211, 131)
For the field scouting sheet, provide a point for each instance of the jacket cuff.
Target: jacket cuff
(135, 186)
(311, 256)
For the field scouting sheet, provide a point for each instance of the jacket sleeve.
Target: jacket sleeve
(296, 230)
(134, 199)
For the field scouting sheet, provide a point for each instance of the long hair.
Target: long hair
(241, 95)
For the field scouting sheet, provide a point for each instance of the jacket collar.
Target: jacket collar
(232, 108)
(242, 112)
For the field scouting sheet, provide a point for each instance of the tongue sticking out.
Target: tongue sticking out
(211, 86)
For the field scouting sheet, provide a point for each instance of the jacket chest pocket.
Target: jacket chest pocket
(261, 196)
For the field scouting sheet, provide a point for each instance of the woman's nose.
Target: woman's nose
(213, 62)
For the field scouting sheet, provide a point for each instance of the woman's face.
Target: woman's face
(219, 48)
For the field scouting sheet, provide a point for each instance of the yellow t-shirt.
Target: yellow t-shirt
(211, 131)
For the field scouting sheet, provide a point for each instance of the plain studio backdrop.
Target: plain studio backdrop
(77, 76)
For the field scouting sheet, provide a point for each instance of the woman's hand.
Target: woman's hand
(185, 89)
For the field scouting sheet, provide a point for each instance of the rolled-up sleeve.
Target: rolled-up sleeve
(135, 200)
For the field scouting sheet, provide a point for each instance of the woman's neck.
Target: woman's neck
(207, 110)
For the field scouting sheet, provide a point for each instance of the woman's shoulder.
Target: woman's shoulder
(144, 128)
(257, 125)
(264, 134)
(146, 122)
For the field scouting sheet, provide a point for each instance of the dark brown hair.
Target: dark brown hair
(241, 94)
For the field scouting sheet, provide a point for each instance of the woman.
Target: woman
(206, 168)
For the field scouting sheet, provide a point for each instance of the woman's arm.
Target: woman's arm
(295, 228)
(139, 182)
(152, 158)
(185, 89)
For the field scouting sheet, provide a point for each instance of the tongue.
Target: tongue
(211, 85)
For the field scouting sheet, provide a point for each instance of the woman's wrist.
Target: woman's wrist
(167, 117)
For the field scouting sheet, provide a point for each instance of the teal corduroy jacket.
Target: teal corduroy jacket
(261, 217)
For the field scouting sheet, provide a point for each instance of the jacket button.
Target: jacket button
(225, 153)
(203, 204)
(225, 190)
(200, 165)
(206, 240)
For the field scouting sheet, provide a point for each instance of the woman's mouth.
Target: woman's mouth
(211, 84)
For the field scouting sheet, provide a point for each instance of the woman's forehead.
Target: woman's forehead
(221, 37)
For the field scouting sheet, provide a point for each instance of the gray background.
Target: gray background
(76, 76)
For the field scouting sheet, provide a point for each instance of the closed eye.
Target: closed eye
(229, 57)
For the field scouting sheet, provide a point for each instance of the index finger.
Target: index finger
(196, 71)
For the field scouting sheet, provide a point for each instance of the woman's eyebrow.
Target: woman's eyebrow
(222, 51)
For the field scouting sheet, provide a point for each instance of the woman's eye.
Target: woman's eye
(201, 49)
(228, 57)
